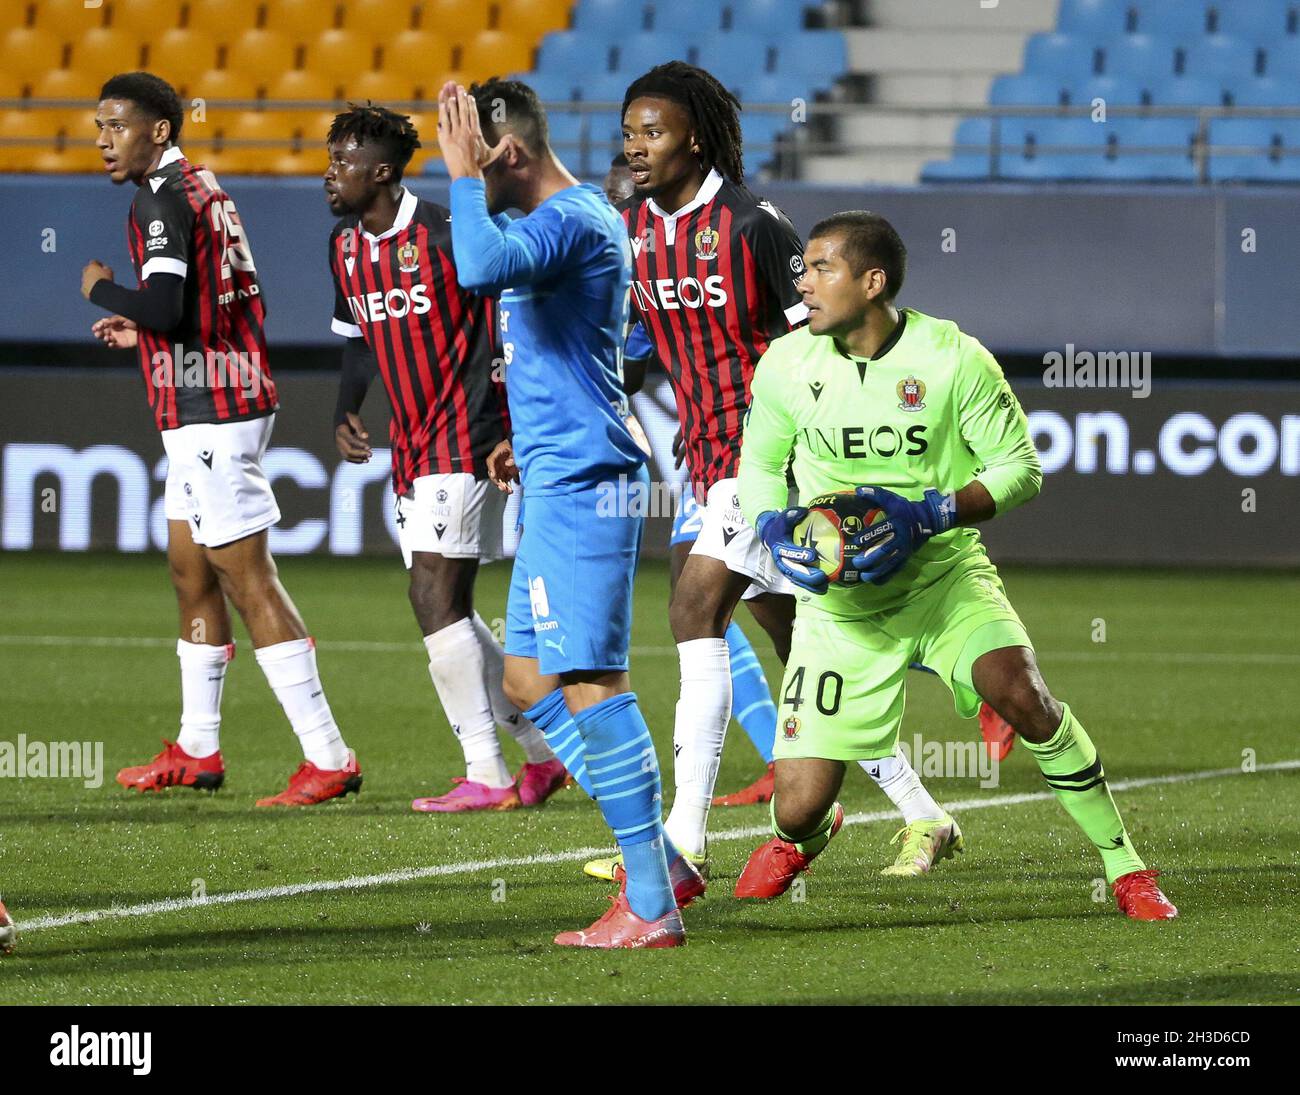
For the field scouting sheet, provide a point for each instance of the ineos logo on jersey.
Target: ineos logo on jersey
(665, 294)
(860, 442)
(394, 304)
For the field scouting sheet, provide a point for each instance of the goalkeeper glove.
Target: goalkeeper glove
(776, 529)
(887, 545)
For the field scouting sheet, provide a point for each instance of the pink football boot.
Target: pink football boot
(467, 795)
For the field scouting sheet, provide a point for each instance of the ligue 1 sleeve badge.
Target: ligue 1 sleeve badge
(706, 244)
(408, 258)
(911, 394)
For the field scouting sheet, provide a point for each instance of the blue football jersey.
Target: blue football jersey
(562, 274)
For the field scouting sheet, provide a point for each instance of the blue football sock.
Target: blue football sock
(751, 698)
(551, 716)
(624, 771)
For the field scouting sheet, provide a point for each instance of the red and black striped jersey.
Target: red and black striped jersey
(712, 285)
(432, 340)
(213, 366)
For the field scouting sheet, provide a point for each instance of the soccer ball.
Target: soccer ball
(837, 528)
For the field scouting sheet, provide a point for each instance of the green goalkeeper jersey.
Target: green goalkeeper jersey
(931, 409)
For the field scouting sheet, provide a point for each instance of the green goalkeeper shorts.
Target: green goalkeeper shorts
(844, 688)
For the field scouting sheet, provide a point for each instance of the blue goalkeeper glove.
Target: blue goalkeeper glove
(776, 529)
(888, 544)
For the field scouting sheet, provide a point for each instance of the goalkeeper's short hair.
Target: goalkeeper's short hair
(870, 242)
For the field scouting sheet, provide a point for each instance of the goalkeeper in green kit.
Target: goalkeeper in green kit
(914, 419)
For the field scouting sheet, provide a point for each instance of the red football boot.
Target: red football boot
(8, 933)
(997, 733)
(174, 767)
(773, 866)
(755, 794)
(310, 785)
(1139, 898)
(620, 928)
(688, 883)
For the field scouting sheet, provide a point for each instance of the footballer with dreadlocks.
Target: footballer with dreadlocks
(398, 304)
(713, 283)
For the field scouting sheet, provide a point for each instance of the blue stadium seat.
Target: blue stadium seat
(1052, 148)
(1060, 56)
(776, 17)
(702, 16)
(1187, 91)
(1145, 167)
(1115, 90)
(1259, 21)
(770, 87)
(975, 132)
(819, 56)
(1271, 135)
(1096, 19)
(559, 87)
(961, 168)
(1266, 91)
(1219, 55)
(1026, 89)
(642, 52)
(1282, 59)
(609, 20)
(571, 51)
(1139, 55)
(732, 56)
(1172, 135)
(1183, 20)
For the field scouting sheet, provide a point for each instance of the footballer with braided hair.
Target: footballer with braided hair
(713, 283)
(404, 315)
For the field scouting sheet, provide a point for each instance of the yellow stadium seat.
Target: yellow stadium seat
(69, 18)
(76, 123)
(66, 156)
(453, 19)
(532, 18)
(301, 19)
(221, 84)
(302, 84)
(29, 52)
(67, 83)
(384, 87)
(147, 18)
(340, 51)
(312, 126)
(25, 124)
(261, 125)
(416, 53)
(105, 52)
(379, 18)
(222, 18)
(495, 53)
(262, 53)
(181, 51)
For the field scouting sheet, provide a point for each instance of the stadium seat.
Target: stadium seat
(529, 18)
(379, 18)
(1139, 55)
(636, 55)
(1187, 91)
(239, 159)
(181, 51)
(1172, 135)
(1145, 168)
(1282, 59)
(387, 87)
(261, 53)
(1181, 20)
(70, 18)
(567, 52)
(1114, 90)
(301, 19)
(313, 126)
(611, 20)
(29, 52)
(146, 18)
(221, 83)
(1266, 91)
(460, 19)
(1260, 21)
(770, 88)
(1060, 55)
(416, 53)
(221, 19)
(734, 55)
(36, 125)
(1052, 148)
(1269, 135)
(553, 87)
(67, 83)
(493, 52)
(340, 51)
(261, 125)
(702, 16)
(1026, 89)
(961, 168)
(303, 85)
(775, 18)
(65, 157)
(106, 51)
(819, 56)
(1097, 19)
(1217, 55)
(973, 136)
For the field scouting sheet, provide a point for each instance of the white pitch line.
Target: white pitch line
(361, 646)
(411, 874)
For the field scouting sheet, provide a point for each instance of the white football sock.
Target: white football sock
(895, 777)
(703, 711)
(203, 674)
(457, 670)
(530, 739)
(290, 670)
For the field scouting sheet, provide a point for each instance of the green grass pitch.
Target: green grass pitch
(1198, 672)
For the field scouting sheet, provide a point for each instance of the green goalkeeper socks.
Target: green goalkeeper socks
(1073, 771)
(812, 845)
